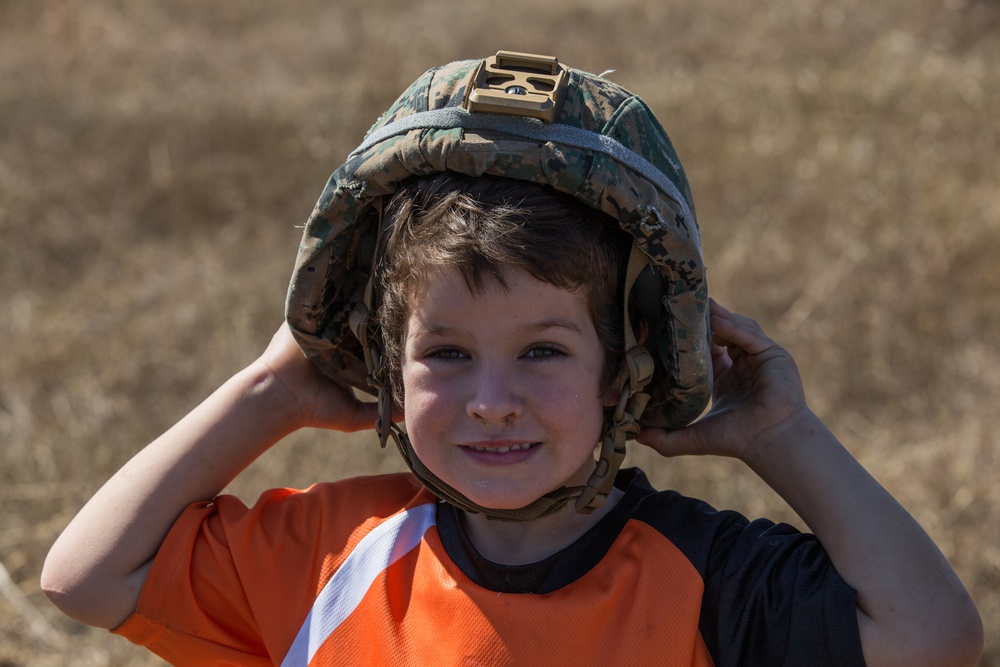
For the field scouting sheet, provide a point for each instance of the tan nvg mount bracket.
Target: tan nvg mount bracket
(519, 84)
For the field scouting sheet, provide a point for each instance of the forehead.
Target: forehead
(443, 297)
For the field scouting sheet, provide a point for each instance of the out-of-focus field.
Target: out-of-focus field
(155, 159)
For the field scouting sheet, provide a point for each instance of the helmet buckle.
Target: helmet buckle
(518, 84)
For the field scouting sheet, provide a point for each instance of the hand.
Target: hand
(313, 399)
(757, 393)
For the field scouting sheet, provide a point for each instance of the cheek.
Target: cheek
(577, 407)
(422, 398)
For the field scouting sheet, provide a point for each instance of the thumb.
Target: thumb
(681, 442)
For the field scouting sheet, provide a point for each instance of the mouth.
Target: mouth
(502, 449)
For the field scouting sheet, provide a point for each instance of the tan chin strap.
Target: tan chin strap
(547, 504)
(639, 366)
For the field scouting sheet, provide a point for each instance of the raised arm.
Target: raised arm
(912, 608)
(96, 569)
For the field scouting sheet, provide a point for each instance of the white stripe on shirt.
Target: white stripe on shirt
(376, 551)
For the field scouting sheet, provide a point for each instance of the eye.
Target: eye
(445, 353)
(545, 351)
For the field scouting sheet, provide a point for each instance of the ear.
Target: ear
(612, 395)
(642, 331)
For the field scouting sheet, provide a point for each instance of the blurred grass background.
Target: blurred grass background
(155, 159)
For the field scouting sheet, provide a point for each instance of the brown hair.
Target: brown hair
(485, 225)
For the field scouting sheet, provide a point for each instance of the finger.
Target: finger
(739, 331)
(716, 307)
(721, 359)
(720, 314)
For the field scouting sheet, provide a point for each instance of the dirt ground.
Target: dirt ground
(156, 159)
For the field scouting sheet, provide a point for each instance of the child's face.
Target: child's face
(501, 389)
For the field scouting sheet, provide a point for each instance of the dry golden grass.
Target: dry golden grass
(156, 157)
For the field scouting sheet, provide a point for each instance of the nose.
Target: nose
(494, 397)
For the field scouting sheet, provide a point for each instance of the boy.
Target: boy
(510, 263)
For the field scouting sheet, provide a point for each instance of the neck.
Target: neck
(523, 542)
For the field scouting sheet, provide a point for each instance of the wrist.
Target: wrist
(269, 401)
(790, 436)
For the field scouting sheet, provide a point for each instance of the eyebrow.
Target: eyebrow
(532, 328)
(555, 323)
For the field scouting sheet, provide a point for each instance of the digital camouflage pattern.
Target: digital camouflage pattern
(334, 261)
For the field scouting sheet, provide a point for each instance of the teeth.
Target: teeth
(502, 450)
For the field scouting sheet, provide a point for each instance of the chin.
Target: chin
(502, 497)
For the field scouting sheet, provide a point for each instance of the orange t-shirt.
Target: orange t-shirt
(376, 571)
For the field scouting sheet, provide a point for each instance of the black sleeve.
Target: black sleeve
(772, 596)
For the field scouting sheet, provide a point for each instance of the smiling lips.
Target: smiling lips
(502, 449)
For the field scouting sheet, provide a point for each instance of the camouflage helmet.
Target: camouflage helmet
(530, 118)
